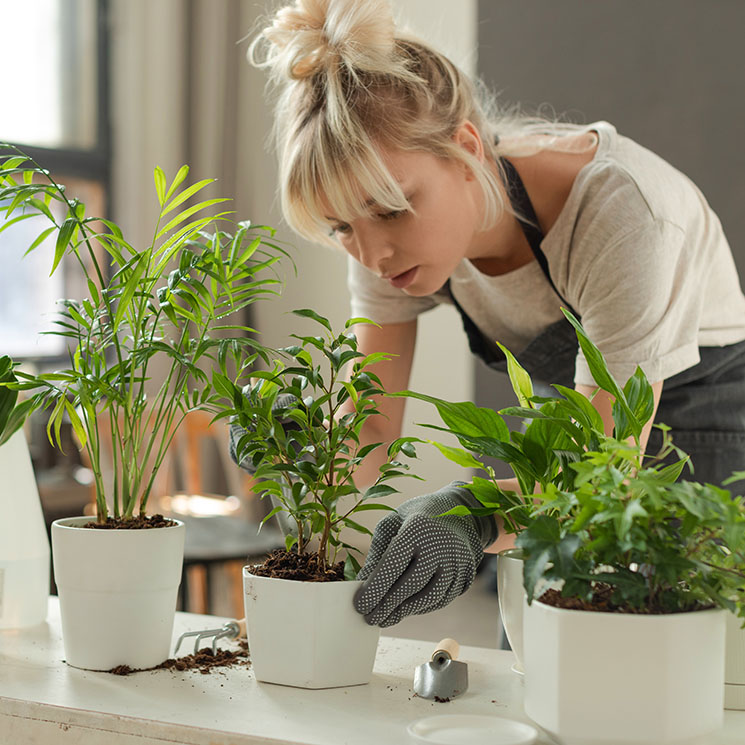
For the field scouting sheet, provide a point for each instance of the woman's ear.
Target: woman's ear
(468, 137)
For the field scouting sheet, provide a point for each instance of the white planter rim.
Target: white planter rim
(76, 523)
(617, 614)
(333, 583)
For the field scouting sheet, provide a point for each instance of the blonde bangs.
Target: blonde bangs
(329, 177)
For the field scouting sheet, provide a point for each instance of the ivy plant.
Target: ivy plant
(301, 425)
(158, 321)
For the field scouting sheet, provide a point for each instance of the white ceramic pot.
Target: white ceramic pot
(511, 595)
(617, 678)
(307, 634)
(117, 592)
(734, 667)
(24, 546)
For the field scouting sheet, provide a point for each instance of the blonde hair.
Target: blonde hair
(349, 85)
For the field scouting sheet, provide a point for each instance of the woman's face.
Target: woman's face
(417, 252)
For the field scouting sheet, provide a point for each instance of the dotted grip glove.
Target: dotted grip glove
(419, 562)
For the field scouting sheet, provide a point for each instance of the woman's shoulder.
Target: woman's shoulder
(631, 178)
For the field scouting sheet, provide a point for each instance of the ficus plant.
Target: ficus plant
(613, 527)
(300, 426)
(158, 321)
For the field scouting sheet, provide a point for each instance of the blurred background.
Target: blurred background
(102, 91)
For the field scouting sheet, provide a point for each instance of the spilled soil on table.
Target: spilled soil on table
(203, 661)
(282, 564)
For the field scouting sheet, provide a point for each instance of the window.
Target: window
(54, 107)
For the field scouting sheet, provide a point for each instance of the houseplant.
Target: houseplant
(158, 322)
(298, 428)
(640, 566)
(24, 546)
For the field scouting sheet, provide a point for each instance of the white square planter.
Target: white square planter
(307, 634)
(734, 669)
(616, 678)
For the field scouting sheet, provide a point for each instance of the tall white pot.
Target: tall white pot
(734, 668)
(24, 546)
(511, 594)
(622, 679)
(117, 592)
(307, 634)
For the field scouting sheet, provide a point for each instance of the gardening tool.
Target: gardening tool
(442, 677)
(231, 630)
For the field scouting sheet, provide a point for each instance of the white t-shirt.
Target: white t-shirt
(636, 251)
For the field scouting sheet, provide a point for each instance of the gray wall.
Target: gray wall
(668, 73)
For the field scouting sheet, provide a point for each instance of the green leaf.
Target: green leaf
(182, 173)
(458, 455)
(160, 184)
(63, 239)
(379, 490)
(186, 193)
(519, 377)
(465, 417)
(308, 313)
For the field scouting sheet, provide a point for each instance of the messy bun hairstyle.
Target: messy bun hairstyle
(349, 84)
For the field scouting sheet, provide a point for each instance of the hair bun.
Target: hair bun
(310, 36)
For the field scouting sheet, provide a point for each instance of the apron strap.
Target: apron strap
(528, 221)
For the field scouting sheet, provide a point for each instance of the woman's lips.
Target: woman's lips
(400, 281)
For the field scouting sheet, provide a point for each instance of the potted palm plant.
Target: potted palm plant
(157, 324)
(297, 427)
(641, 568)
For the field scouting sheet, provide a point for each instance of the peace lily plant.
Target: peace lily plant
(625, 561)
(144, 348)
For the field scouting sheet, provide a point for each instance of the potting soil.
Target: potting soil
(204, 661)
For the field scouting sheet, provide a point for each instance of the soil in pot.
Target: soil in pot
(140, 522)
(601, 602)
(282, 564)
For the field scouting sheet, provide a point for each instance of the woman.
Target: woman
(387, 149)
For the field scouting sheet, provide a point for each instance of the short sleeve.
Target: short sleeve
(376, 299)
(640, 304)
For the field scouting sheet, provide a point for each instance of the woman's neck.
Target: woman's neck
(548, 177)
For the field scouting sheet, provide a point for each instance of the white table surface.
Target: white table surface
(42, 700)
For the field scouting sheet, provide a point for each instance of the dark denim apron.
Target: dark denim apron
(704, 405)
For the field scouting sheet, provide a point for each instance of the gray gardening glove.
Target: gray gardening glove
(286, 524)
(419, 562)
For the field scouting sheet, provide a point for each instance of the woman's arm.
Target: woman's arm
(397, 339)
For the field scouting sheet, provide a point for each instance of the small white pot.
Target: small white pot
(617, 678)
(307, 634)
(117, 592)
(734, 668)
(511, 595)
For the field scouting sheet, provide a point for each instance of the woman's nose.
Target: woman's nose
(373, 249)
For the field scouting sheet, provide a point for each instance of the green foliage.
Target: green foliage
(156, 322)
(597, 515)
(12, 412)
(650, 543)
(302, 423)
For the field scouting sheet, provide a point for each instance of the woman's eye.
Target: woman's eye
(392, 215)
(342, 228)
